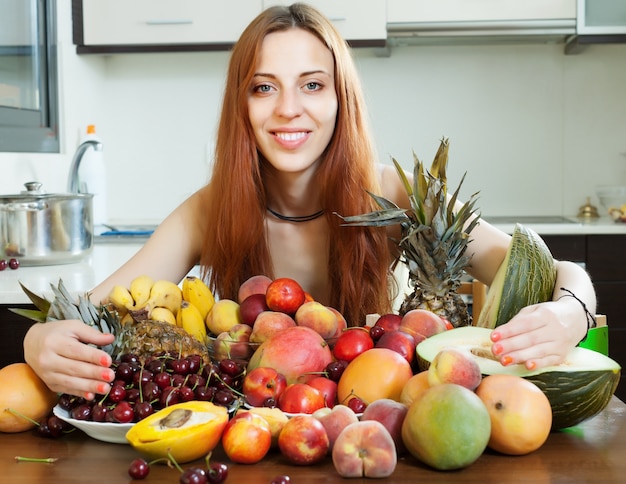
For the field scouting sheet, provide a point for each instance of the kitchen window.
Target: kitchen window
(29, 117)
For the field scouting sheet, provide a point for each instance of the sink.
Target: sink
(530, 219)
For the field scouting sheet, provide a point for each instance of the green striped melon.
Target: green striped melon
(578, 389)
(526, 276)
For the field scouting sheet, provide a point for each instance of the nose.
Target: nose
(289, 104)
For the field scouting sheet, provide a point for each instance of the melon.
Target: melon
(526, 276)
(577, 389)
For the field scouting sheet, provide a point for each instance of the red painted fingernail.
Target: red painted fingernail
(506, 360)
(496, 349)
(531, 365)
(495, 336)
(104, 361)
(106, 375)
(89, 396)
(103, 388)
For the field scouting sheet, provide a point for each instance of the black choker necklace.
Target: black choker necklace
(296, 219)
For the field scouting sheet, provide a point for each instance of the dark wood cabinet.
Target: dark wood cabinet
(12, 330)
(604, 257)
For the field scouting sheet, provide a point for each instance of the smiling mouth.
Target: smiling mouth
(291, 136)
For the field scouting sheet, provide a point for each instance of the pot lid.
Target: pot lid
(34, 191)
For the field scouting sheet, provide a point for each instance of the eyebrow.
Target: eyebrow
(303, 74)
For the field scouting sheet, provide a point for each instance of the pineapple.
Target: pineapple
(433, 240)
(141, 338)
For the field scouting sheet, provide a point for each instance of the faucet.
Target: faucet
(72, 179)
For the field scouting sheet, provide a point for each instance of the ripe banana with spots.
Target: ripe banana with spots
(164, 294)
(199, 294)
(121, 298)
(140, 288)
(163, 314)
(190, 319)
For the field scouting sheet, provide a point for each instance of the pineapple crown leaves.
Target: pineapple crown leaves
(64, 307)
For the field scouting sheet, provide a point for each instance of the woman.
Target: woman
(292, 148)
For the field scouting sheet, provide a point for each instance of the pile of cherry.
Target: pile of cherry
(140, 390)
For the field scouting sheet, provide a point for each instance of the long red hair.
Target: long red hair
(235, 245)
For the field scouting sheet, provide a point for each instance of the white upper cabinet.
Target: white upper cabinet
(361, 22)
(601, 17)
(480, 17)
(163, 22)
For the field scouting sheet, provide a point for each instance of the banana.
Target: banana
(120, 297)
(198, 293)
(165, 294)
(127, 319)
(163, 314)
(140, 290)
(190, 319)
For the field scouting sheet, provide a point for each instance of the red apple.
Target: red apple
(364, 449)
(335, 420)
(251, 307)
(352, 343)
(389, 322)
(318, 317)
(422, 322)
(254, 285)
(300, 398)
(400, 342)
(269, 323)
(261, 384)
(303, 440)
(391, 414)
(328, 388)
(240, 431)
(284, 295)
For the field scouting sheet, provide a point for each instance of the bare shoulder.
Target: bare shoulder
(391, 185)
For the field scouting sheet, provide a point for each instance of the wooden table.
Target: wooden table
(594, 451)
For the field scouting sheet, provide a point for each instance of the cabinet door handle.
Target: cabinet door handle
(169, 22)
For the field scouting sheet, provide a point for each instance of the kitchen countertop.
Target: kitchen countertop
(108, 254)
(592, 451)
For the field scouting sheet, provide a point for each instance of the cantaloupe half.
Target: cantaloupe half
(578, 389)
(526, 276)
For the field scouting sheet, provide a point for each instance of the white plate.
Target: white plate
(104, 431)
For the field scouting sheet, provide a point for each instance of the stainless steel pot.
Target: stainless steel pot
(41, 228)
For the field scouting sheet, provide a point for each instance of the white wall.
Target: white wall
(534, 129)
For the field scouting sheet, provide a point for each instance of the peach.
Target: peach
(275, 417)
(233, 343)
(454, 365)
(303, 440)
(364, 449)
(327, 387)
(285, 295)
(414, 388)
(391, 414)
(254, 285)
(422, 322)
(318, 317)
(335, 420)
(224, 315)
(342, 324)
(269, 323)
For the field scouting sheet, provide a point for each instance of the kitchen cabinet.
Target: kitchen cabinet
(458, 18)
(601, 17)
(12, 331)
(605, 260)
(159, 25)
(361, 22)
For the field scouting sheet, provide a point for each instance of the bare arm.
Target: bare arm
(56, 350)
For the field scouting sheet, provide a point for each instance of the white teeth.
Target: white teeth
(291, 136)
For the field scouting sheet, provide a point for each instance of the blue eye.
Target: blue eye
(313, 86)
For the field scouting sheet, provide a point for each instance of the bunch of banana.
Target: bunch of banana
(147, 299)
(165, 301)
(197, 302)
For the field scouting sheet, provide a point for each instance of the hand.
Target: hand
(59, 352)
(536, 337)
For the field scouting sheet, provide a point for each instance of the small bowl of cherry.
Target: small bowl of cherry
(104, 431)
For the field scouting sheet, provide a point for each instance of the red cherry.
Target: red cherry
(139, 469)
(357, 405)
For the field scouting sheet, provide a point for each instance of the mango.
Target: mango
(186, 431)
(447, 428)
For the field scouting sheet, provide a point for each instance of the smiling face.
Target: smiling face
(292, 102)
